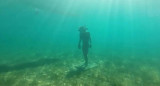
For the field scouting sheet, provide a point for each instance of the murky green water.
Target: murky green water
(39, 42)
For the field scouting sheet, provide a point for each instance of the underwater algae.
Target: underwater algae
(108, 72)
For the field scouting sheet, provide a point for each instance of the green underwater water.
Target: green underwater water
(39, 42)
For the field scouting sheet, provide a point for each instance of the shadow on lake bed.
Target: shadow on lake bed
(75, 72)
(32, 64)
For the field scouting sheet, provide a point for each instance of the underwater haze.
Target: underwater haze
(39, 42)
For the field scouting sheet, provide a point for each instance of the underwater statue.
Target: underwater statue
(85, 38)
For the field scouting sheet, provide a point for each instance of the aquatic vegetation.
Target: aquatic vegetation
(52, 72)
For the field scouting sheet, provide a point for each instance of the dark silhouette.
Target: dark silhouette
(32, 64)
(86, 43)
